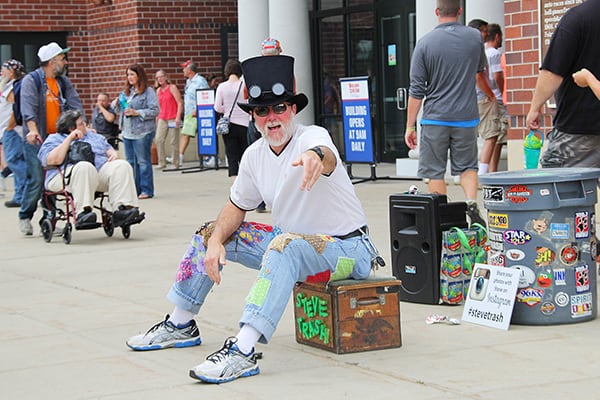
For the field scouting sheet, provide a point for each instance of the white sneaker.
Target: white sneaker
(25, 227)
(169, 160)
(209, 161)
(164, 335)
(227, 364)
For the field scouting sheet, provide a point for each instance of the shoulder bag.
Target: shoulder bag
(223, 123)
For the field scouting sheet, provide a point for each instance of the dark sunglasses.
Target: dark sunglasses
(263, 111)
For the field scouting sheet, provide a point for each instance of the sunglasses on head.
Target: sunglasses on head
(263, 111)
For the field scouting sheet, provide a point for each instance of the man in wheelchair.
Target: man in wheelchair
(84, 169)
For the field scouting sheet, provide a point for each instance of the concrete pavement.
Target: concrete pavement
(67, 309)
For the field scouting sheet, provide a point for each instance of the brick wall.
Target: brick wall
(106, 38)
(522, 62)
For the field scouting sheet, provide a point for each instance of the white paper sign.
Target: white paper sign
(491, 296)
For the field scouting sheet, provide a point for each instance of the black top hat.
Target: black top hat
(270, 80)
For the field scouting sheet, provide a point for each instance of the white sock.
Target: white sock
(483, 168)
(247, 338)
(180, 317)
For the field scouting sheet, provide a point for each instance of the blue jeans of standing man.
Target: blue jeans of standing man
(283, 260)
(34, 182)
(138, 154)
(13, 151)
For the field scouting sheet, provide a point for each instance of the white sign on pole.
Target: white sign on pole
(491, 296)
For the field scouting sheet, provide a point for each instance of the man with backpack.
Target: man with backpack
(45, 94)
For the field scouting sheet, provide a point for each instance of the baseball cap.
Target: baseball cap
(51, 50)
(186, 64)
(270, 46)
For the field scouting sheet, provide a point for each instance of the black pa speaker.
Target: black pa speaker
(416, 225)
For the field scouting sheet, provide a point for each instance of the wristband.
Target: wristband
(318, 151)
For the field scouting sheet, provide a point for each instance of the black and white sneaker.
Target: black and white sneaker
(227, 364)
(165, 334)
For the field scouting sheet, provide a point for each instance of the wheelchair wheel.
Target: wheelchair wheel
(126, 230)
(108, 226)
(47, 230)
(67, 233)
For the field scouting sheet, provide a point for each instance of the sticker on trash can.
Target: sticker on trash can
(547, 308)
(518, 194)
(581, 305)
(530, 296)
(544, 256)
(515, 254)
(561, 299)
(544, 279)
(582, 278)
(496, 258)
(498, 220)
(526, 276)
(559, 277)
(516, 236)
(559, 231)
(540, 225)
(582, 225)
(493, 194)
(569, 254)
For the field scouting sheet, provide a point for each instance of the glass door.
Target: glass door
(396, 20)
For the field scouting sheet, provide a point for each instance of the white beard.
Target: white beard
(287, 129)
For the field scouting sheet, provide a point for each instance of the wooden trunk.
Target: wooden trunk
(348, 316)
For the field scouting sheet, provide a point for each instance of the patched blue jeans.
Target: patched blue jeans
(282, 260)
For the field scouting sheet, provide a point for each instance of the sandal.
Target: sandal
(144, 196)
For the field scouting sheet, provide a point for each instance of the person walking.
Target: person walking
(12, 140)
(193, 82)
(492, 112)
(45, 94)
(447, 64)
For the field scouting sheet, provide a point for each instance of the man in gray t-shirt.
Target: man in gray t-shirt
(446, 64)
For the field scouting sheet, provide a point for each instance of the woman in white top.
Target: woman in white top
(228, 94)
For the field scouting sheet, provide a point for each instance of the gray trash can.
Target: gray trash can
(542, 222)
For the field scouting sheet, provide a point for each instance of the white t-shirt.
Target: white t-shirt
(331, 207)
(5, 107)
(494, 65)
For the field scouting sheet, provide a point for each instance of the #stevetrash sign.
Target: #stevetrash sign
(491, 296)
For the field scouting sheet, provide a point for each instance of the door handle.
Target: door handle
(401, 99)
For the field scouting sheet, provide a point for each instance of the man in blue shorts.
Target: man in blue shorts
(447, 64)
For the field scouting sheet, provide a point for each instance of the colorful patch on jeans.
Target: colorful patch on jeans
(251, 233)
(343, 269)
(318, 242)
(193, 260)
(248, 232)
(258, 292)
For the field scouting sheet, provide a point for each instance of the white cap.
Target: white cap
(51, 50)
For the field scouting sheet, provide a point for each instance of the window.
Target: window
(24, 46)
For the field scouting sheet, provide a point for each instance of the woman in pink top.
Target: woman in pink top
(169, 118)
(228, 94)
